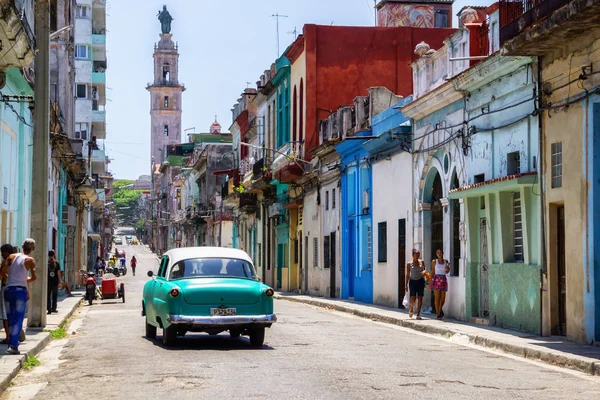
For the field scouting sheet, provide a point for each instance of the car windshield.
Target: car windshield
(212, 267)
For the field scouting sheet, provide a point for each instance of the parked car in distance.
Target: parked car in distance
(118, 240)
(207, 289)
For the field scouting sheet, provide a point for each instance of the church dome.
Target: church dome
(215, 127)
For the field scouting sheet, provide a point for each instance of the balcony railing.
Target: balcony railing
(287, 153)
(518, 15)
(248, 200)
(99, 116)
(165, 82)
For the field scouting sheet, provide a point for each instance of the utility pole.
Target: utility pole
(41, 140)
(277, 16)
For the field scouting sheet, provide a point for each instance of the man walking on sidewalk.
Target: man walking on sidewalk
(54, 278)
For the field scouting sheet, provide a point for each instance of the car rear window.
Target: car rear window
(212, 267)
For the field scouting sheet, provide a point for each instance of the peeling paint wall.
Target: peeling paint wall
(574, 127)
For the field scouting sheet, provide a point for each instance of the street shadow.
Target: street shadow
(203, 342)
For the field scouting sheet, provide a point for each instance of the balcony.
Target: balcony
(288, 164)
(248, 203)
(542, 27)
(98, 39)
(98, 162)
(99, 78)
(99, 116)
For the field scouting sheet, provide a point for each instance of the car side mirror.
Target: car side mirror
(150, 274)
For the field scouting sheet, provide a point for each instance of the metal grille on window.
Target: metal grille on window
(369, 247)
(517, 227)
(382, 242)
(557, 165)
(316, 252)
(332, 199)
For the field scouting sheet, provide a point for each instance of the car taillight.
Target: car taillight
(174, 292)
(269, 292)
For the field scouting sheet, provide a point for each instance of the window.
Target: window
(81, 131)
(166, 101)
(441, 19)
(479, 178)
(306, 253)
(82, 91)
(82, 12)
(382, 242)
(163, 266)
(327, 200)
(333, 199)
(81, 51)
(556, 165)
(326, 259)
(517, 227)
(221, 267)
(166, 130)
(166, 72)
(369, 248)
(513, 163)
(296, 251)
(315, 252)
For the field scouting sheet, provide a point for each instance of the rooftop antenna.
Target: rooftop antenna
(294, 32)
(277, 16)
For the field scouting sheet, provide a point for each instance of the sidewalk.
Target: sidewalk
(36, 339)
(552, 350)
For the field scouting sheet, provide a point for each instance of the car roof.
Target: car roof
(185, 253)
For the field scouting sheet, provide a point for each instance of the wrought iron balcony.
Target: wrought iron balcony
(552, 23)
(287, 165)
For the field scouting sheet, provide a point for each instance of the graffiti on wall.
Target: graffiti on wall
(418, 16)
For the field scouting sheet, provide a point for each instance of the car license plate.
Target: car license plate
(222, 312)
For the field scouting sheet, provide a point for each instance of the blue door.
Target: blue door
(351, 257)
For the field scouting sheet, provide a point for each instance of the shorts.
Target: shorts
(439, 283)
(416, 287)
(2, 308)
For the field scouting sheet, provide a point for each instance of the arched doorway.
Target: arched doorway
(437, 216)
(455, 215)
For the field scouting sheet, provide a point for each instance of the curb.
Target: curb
(43, 338)
(581, 364)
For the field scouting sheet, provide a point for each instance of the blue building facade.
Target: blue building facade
(357, 247)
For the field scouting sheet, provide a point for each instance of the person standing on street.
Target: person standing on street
(19, 267)
(54, 278)
(439, 268)
(415, 283)
(133, 263)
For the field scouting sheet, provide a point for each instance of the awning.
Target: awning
(94, 236)
(505, 183)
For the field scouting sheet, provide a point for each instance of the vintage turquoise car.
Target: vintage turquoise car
(207, 289)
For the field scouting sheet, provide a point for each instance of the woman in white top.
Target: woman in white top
(18, 267)
(439, 284)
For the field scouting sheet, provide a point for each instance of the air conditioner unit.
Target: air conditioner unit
(69, 215)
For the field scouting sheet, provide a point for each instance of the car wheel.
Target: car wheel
(150, 331)
(169, 335)
(235, 333)
(257, 337)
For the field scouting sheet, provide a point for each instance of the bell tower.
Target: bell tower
(165, 91)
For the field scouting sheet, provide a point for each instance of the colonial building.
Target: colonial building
(569, 109)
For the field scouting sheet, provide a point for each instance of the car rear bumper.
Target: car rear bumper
(265, 319)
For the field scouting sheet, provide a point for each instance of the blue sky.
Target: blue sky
(223, 45)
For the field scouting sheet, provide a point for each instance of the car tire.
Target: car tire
(257, 337)
(235, 333)
(150, 331)
(169, 335)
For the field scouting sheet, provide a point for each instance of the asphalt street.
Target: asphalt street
(309, 354)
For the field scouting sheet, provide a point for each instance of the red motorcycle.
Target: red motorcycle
(90, 287)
